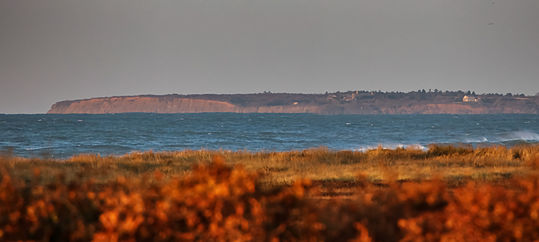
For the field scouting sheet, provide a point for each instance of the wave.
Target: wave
(38, 148)
(509, 137)
(477, 140)
(392, 147)
(520, 136)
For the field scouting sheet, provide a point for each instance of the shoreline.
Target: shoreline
(49, 154)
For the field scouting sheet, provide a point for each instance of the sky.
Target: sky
(71, 49)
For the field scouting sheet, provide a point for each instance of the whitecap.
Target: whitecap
(392, 147)
(476, 140)
(520, 135)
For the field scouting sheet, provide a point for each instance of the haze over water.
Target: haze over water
(62, 136)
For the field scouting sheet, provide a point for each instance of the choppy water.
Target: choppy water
(64, 135)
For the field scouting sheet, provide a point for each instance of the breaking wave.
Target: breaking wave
(392, 147)
(520, 136)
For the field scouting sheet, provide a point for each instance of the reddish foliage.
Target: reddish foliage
(218, 202)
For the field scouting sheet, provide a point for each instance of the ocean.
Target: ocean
(63, 135)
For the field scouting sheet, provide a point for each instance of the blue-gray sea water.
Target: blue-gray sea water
(61, 136)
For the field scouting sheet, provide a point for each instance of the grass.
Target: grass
(449, 163)
(444, 193)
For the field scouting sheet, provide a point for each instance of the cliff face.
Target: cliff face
(167, 105)
(141, 104)
(299, 103)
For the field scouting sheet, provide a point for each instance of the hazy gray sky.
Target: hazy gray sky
(70, 49)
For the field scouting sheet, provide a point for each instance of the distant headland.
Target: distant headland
(350, 102)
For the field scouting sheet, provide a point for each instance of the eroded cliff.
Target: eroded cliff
(332, 103)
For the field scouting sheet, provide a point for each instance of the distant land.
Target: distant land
(350, 102)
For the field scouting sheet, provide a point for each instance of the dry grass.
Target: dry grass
(446, 193)
(456, 165)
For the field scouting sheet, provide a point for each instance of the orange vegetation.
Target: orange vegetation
(215, 201)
